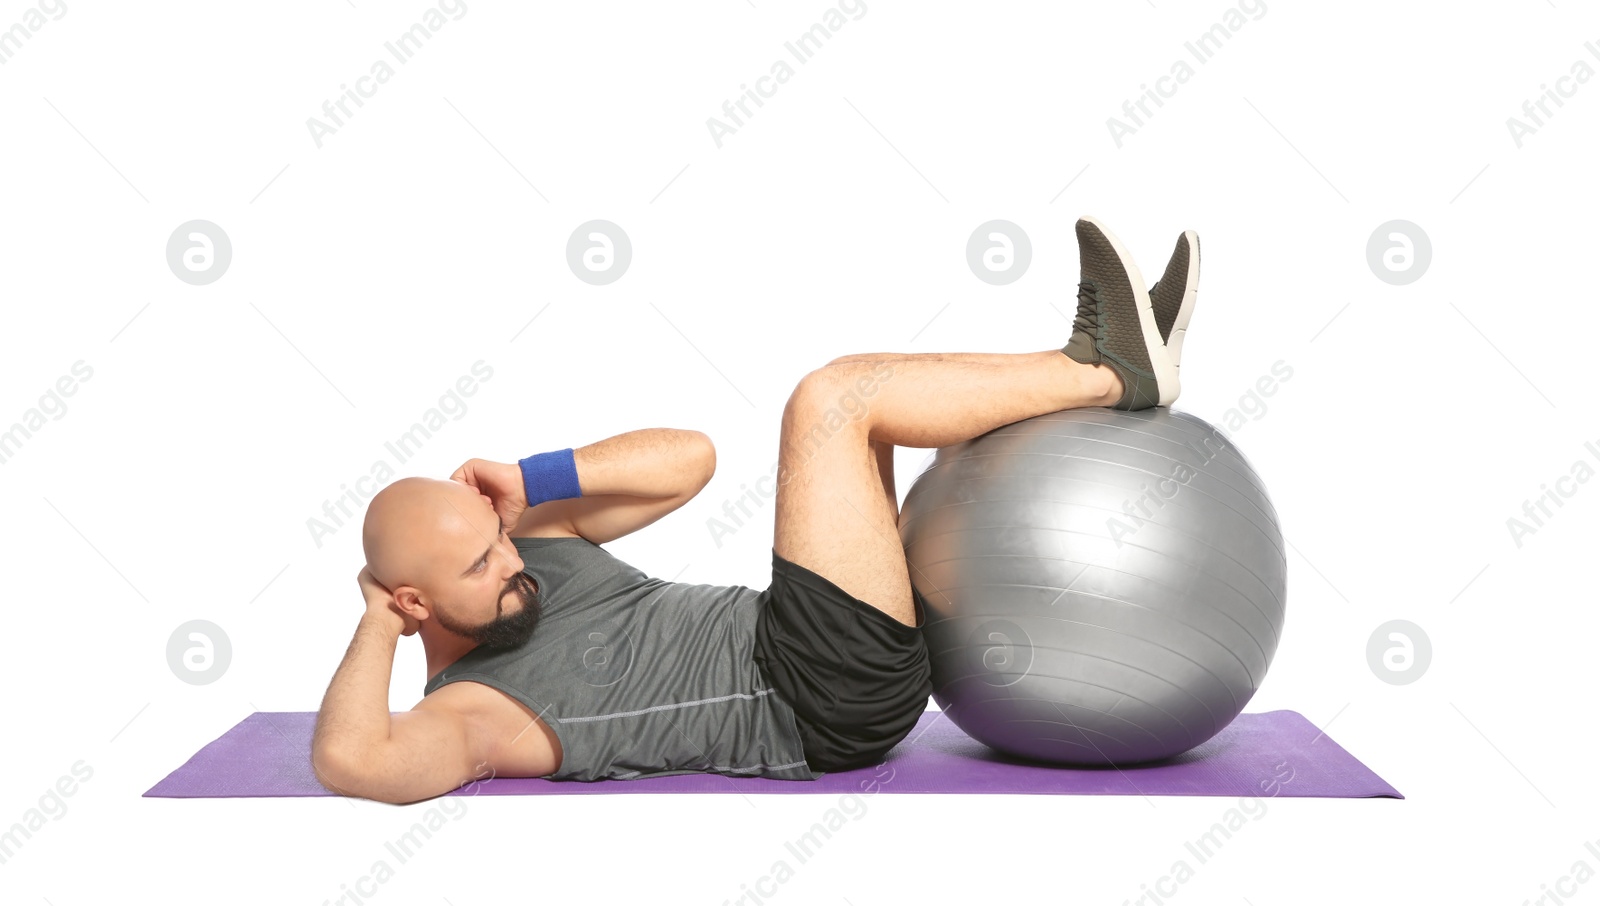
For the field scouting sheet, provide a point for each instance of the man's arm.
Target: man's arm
(628, 481)
(358, 750)
(354, 717)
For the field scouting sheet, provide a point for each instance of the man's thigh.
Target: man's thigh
(832, 513)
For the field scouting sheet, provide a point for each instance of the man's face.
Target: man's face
(488, 598)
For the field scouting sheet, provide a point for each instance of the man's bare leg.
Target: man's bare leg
(884, 452)
(835, 512)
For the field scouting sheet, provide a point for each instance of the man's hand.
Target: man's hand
(501, 482)
(381, 602)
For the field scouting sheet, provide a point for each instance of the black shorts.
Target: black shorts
(857, 678)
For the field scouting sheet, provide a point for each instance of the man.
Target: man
(549, 657)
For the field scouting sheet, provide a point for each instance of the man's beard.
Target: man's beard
(507, 630)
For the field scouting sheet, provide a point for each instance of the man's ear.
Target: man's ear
(409, 602)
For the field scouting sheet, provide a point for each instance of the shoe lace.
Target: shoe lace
(1088, 305)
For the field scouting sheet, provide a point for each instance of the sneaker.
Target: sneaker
(1115, 325)
(1172, 297)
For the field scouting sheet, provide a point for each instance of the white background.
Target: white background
(429, 230)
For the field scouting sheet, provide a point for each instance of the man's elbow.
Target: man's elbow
(705, 459)
(330, 765)
(339, 771)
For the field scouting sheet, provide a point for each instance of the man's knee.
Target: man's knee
(820, 387)
(822, 407)
(832, 392)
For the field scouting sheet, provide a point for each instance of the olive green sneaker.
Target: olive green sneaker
(1172, 297)
(1115, 325)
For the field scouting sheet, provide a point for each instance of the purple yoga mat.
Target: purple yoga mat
(1276, 753)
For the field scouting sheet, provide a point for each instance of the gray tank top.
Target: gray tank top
(637, 676)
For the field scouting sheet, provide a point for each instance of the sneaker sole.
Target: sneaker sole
(1160, 359)
(1191, 284)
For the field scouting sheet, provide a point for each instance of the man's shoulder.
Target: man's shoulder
(463, 698)
(544, 530)
(493, 717)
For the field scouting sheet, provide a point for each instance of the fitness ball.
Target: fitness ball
(1102, 587)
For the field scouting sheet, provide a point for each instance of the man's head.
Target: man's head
(439, 547)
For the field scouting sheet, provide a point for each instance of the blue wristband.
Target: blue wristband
(550, 476)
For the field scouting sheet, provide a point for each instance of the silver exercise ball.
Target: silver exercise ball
(1102, 587)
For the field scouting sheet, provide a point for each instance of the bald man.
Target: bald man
(547, 656)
